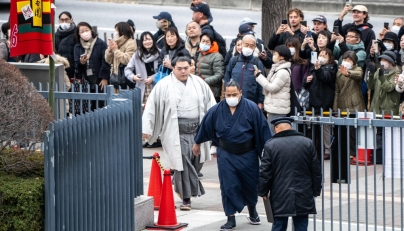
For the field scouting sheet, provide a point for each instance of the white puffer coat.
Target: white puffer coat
(277, 89)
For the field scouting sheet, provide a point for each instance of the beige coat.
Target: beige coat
(277, 90)
(348, 91)
(125, 51)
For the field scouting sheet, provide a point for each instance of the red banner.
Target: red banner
(31, 27)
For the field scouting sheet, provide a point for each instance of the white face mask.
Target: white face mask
(204, 47)
(64, 25)
(385, 64)
(86, 35)
(322, 60)
(292, 50)
(388, 46)
(395, 29)
(347, 65)
(232, 101)
(116, 35)
(247, 51)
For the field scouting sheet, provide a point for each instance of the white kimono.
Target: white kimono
(160, 117)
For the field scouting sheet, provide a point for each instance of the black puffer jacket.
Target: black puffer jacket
(322, 87)
(64, 46)
(291, 171)
(173, 54)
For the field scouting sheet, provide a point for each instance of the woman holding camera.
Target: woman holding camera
(89, 60)
(173, 45)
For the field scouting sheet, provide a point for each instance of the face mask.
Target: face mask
(204, 47)
(247, 51)
(347, 65)
(395, 29)
(292, 50)
(388, 46)
(159, 25)
(64, 25)
(322, 60)
(116, 35)
(275, 59)
(232, 101)
(86, 35)
(385, 64)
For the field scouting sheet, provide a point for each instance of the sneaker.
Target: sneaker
(154, 145)
(200, 174)
(254, 220)
(228, 226)
(186, 207)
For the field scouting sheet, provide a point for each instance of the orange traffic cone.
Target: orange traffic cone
(167, 219)
(155, 183)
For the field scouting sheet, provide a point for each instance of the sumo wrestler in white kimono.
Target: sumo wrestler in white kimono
(173, 111)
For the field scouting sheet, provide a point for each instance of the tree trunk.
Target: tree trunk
(273, 11)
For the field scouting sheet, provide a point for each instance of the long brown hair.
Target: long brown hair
(294, 42)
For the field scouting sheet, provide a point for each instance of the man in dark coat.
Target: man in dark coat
(291, 171)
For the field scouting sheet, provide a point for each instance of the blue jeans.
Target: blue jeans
(300, 223)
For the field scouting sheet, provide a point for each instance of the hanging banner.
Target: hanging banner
(31, 27)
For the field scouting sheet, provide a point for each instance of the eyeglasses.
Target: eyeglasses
(350, 36)
(64, 19)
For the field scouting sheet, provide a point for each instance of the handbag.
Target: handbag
(118, 79)
(161, 74)
(303, 98)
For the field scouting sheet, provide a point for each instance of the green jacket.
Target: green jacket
(385, 97)
(348, 91)
(359, 50)
(209, 67)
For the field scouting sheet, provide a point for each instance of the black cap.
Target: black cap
(164, 15)
(245, 29)
(389, 56)
(282, 120)
(132, 24)
(203, 8)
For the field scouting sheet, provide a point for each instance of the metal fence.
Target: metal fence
(93, 167)
(364, 192)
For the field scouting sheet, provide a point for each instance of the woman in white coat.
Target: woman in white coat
(276, 85)
(142, 67)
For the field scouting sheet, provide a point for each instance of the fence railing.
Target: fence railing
(363, 179)
(93, 167)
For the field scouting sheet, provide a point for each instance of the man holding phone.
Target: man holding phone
(285, 31)
(360, 22)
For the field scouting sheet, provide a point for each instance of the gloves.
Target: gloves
(382, 77)
(371, 66)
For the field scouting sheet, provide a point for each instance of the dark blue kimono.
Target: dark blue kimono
(238, 174)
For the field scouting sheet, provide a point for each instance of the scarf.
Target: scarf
(150, 58)
(88, 46)
(121, 40)
(402, 55)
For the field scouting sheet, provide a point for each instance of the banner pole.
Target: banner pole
(51, 99)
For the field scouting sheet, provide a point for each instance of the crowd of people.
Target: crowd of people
(343, 68)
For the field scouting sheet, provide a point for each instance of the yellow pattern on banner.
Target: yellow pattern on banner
(46, 6)
(37, 9)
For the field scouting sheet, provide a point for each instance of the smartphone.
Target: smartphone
(284, 21)
(313, 57)
(348, 2)
(336, 30)
(83, 55)
(376, 46)
(304, 23)
(386, 25)
(166, 57)
(308, 34)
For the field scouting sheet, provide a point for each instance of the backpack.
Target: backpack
(219, 39)
(233, 64)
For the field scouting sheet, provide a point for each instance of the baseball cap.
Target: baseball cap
(360, 8)
(203, 8)
(245, 29)
(320, 18)
(247, 20)
(163, 15)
